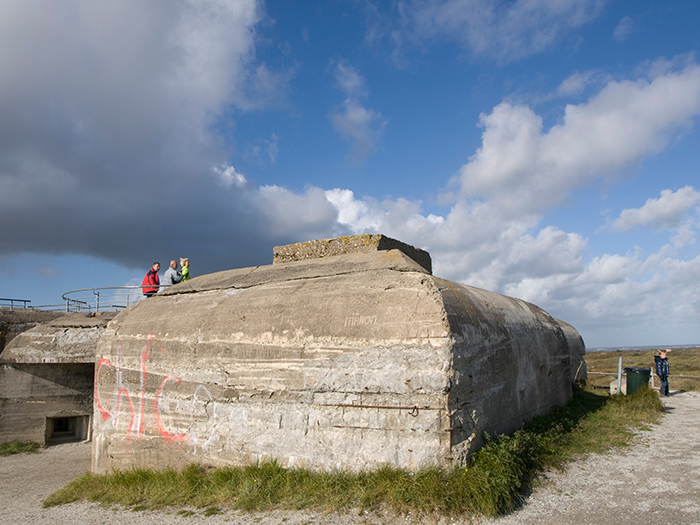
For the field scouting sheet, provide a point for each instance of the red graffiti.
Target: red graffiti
(121, 390)
(103, 411)
(169, 436)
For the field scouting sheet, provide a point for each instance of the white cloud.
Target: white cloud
(354, 214)
(575, 83)
(666, 212)
(350, 81)
(492, 236)
(361, 127)
(526, 169)
(305, 216)
(229, 176)
(264, 88)
(499, 29)
(624, 29)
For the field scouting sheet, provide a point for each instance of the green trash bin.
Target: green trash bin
(636, 378)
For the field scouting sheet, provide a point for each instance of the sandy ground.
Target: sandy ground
(655, 481)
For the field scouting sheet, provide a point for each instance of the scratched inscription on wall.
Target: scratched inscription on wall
(360, 320)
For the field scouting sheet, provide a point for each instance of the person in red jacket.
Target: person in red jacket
(150, 281)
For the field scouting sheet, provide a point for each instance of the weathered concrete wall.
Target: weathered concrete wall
(46, 379)
(70, 338)
(511, 362)
(350, 244)
(344, 361)
(577, 349)
(31, 395)
(14, 322)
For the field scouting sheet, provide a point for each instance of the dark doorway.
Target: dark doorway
(66, 429)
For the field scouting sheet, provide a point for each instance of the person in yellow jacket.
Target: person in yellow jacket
(185, 263)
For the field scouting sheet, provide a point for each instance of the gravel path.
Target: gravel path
(656, 481)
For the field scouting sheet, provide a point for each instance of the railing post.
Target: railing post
(619, 376)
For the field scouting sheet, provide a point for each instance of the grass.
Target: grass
(17, 447)
(682, 361)
(492, 483)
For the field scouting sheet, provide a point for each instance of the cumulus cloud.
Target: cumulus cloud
(666, 212)
(527, 169)
(359, 216)
(492, 236)
(503, 30)
(229, 176)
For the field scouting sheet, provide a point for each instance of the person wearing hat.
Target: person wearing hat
(662, 371)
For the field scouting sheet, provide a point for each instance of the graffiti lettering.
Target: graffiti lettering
(197, 434)
(120, 391)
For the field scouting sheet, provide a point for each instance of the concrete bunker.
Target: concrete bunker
(344, 353)
(47, 379)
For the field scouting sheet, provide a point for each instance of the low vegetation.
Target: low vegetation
(492, 482)
(17, 447)
(682, 361)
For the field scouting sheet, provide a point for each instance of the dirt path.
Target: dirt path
(656, 481)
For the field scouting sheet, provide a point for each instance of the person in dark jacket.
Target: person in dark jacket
(662, 371)
(150, 284)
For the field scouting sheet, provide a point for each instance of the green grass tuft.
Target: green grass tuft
(492, 483)
(17, 447)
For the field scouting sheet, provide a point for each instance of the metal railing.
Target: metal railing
(104, 299)
(13, 301)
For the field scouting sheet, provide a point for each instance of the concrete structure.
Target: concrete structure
(341, 354)
(15, 321)
(46, 379)
(577, 349)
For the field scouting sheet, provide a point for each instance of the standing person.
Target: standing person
(662, 371)
(185, 263)
(171, 275)
(150, 282)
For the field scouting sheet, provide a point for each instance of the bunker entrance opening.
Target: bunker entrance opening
(66, 429)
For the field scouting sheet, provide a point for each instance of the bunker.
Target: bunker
(46, 376)
(344, 353)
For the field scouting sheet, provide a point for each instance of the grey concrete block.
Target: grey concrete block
(342, 361)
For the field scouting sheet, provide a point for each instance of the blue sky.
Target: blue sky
(544, 149)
